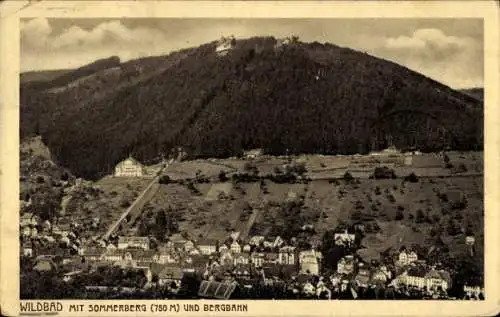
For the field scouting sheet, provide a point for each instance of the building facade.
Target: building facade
(130, 167)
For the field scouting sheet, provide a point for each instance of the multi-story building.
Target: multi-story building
(346, 265)
(406, 257)
(207, 247)
(309, 262)
(129, 167)
(133, 242)
(235, 247)
(287, 255)
(344, 238)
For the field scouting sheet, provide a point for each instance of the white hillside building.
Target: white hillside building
(224, 45)
(130, 167)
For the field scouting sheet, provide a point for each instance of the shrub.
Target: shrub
(223, 177)
(391, 198)
(442, 196)
(446, 158)
(64, 176)
(124, 203)
(399, 215)
(377, 191)
(420, 216)
(412, 178)
(348, 177)
(40, 179)
(165, 179)
(461, 168)
(383, 172)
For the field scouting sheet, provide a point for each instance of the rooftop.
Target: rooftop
(217, 290)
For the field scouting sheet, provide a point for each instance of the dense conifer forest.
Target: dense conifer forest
(290, 98)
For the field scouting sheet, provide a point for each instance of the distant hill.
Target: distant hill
(66, 77)
(295, 98)
(474, 92)
(42, 75)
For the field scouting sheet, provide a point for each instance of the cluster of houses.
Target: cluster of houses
(64, 232)
(271, 261)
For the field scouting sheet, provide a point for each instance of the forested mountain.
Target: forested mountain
(297, 97)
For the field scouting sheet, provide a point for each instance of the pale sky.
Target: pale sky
(447, 50)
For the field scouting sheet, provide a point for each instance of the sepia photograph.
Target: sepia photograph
(252, 158)
(230, 159)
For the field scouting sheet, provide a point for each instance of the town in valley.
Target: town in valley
(248, 168)
(205, 229)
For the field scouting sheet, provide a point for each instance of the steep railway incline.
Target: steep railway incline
(135, 209)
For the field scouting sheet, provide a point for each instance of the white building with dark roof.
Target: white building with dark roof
(129, 167)
(133, 242)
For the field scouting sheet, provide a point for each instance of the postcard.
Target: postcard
(249, 158)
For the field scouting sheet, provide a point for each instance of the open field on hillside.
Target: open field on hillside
(393, 205)
(325, 167)
(188, 169)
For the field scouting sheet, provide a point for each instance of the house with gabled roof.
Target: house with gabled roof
(309, 262)
(287, 255)
(346, 265)
(344, 238)
(257, 259)
(256, 240)
(241, 259)
(242, 271)
(223, 248)
(415, 276)
(253, 153)
(93, 254)
(436, 280)
(207, 246)
(235, 247)
(27, 249)
(226, 258)
(27, 219)
(406, 257)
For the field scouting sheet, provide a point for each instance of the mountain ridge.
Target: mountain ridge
(295, 98)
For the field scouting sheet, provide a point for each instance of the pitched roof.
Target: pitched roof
(418, 271)
(94, 251)
(123, 239)
(207, 242)
(170, 271)
(218, 290)
(137, 254)
(27, 216)
(271, 256)
(129, 159)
